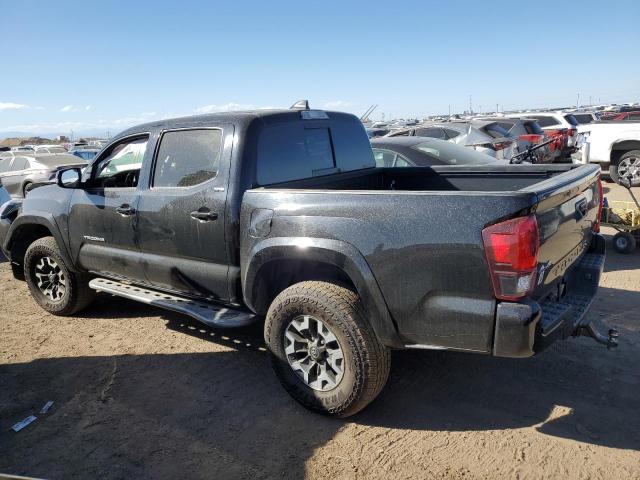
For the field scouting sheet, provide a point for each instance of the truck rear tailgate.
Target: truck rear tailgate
(569, 264)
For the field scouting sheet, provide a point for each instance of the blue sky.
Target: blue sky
(103, 66)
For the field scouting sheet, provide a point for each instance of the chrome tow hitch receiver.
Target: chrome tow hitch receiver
(594, 329)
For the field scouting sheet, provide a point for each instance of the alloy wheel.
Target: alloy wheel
(314, 353)
(50, 279)
(629, 168)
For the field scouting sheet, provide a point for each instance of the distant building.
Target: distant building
(62, 138)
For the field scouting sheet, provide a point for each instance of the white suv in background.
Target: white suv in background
(555, 121)
(615, 146)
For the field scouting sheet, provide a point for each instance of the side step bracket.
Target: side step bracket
(207, 313)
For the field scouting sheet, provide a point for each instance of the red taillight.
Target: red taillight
(532, 138)
(596, 225)
(512, 253)
(500, 145)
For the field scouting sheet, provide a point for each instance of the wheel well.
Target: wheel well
(25, 237)
(277, 275)
(620, 148)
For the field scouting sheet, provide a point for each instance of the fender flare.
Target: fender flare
(41, 219)
(334, 252)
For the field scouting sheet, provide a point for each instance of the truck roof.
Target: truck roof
(237, 117)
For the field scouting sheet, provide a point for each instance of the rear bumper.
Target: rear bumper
(528, 327)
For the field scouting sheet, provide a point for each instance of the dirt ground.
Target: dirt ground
(141, 393)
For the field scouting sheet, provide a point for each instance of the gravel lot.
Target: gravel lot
(142, 393)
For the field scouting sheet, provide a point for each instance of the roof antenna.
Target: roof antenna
(300, 105)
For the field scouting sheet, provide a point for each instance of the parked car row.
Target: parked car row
(21, 172)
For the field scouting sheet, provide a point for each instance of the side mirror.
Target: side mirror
(69, 178)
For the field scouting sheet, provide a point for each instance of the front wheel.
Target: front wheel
(323, 350)
(627, 169)
(52, 285)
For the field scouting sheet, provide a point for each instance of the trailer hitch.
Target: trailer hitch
(594, 329)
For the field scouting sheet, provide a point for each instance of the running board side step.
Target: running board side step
(207, 313)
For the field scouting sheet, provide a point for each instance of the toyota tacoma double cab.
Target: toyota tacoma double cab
(281, 216)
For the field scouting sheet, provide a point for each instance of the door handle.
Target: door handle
(204, 216)
(125, 210)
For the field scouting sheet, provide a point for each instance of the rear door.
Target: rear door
(181, 215)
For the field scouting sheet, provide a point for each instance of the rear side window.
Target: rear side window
(583, 118)
(546, 121)
(533, 128)
(384, 158)
(572, 121)
(496, 131)
(187, 158)
(291, 151)
(451, 133)
(403, 133)
(432, 132)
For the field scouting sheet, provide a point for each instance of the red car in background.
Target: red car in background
(623, 117)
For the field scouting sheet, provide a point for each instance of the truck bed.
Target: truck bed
(420, 232)
(493, 178)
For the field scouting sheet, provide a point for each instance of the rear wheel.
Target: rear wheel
(323, 350)
(624, 242)
(26, 188)
(53, 286)
(627, 168)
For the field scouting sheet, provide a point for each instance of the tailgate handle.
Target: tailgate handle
(581, 209)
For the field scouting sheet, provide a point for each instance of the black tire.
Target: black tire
(26, 188)
(77, 294)
(366, 361)
(624, 242)
(616, 176)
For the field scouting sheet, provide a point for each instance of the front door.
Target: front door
(181, 216)
(102, 217)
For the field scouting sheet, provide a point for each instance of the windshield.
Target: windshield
(451, 154)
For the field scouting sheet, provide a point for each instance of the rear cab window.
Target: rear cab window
(297, 149)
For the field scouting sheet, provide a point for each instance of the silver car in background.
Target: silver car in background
(21, 173)
(484, 136)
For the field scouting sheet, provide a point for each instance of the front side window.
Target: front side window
(5, 163)
(187, 158)
(121, 166)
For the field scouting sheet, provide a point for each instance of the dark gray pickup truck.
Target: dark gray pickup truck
(282, 215)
